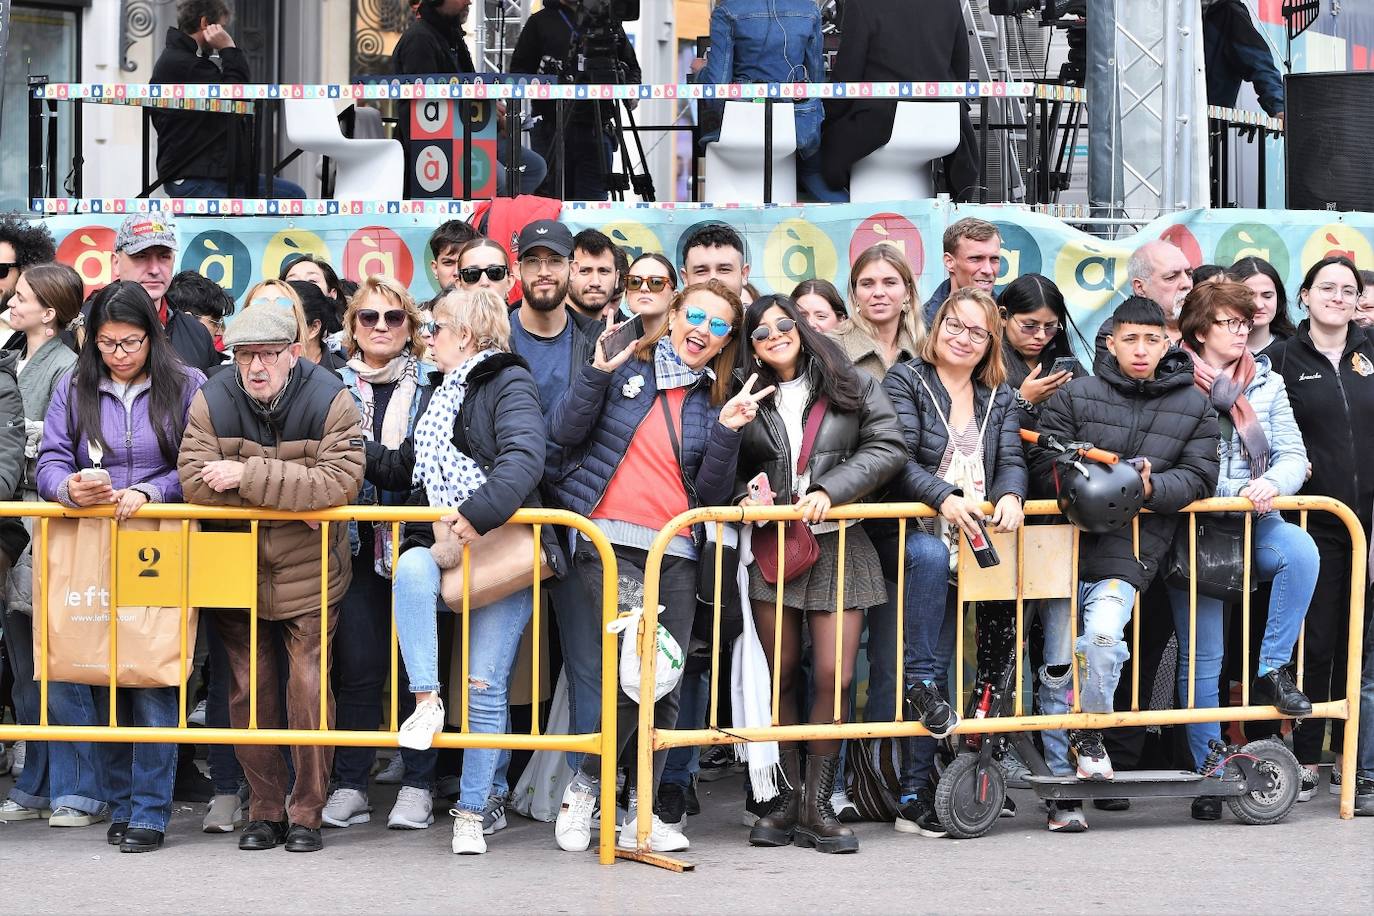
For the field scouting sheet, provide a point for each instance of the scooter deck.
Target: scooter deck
(1134, 784)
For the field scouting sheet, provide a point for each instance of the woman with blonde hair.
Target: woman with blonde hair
(961, 425)
(884, 325)
(477, 448)
(389, 381)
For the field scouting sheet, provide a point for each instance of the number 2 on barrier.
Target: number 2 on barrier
(150, 568)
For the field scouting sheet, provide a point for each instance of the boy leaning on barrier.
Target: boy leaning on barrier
(1141, 404)
(279, 432)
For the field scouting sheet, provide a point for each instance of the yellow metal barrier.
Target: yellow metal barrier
(203, 580)
(977, 584)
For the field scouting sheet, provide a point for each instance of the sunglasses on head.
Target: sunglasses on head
(495, 273)
(635, 283)
(763, 331)
(394, 319)
(695, 315)
(281, 302)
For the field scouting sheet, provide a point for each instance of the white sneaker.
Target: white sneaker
(663, 837)
(573, 829)
(845, 809)
(17, 759)
(1334, 787)
(197, 716)
(1093, 762)
(392, 773)
(346, 807)
(418, 731)
(467, 833)
(414, 810)
(12, 811)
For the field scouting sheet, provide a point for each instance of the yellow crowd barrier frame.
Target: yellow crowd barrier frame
(1007, 582)
(219, 569)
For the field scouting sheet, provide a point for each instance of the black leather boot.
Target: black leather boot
(1278, 690)
(777, 827)
(817, 825)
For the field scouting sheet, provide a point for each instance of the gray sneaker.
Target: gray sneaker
(346, 807)
(393, 772)
(414, 810)
(494, 816)
(72, 817)
(226, 814)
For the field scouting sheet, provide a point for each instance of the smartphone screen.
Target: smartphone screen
(624, 335)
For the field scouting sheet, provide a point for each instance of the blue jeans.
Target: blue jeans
(1285, 555)
(225, 772)
(494, 632)
(56, 773)
(929, 636)
(579, 630)
(217, 188)
(693, 707)
(140, 776)
(1101, 650)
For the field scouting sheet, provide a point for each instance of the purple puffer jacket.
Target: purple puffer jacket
(132, 455)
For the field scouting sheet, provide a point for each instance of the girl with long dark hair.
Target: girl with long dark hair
(123, 409)
(1036, 325)
(1272, 323)
(857, 448)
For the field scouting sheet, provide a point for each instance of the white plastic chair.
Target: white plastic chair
(734, 163)
(901, 169)
(364, 169)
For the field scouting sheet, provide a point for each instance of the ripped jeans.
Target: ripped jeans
(1101, 649)
(494, 633)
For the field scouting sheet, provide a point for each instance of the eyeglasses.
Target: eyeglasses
(393, 318)
(1236, 325)
(267, 357)
(555, 263)
(763, 331)
(430, 328)
(635, 283)
(1334, 291)
(6, 267)
(495, 273)
(1033, 328)
(954, 327)
(281, 302)
(695, 316)
(127, 344)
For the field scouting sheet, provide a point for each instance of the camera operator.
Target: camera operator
(435, 42)
(548, 45)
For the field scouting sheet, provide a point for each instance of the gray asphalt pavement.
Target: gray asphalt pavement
(1151, 859)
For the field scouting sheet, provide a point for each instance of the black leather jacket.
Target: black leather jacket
(855, 454)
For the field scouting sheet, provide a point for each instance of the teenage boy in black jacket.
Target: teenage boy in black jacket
(1142, 404)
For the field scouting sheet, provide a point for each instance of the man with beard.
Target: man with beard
(594, 277)
(1160, 271)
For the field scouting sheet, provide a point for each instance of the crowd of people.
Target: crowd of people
(319, 392)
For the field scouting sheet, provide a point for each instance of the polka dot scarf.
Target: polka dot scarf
(448, 476)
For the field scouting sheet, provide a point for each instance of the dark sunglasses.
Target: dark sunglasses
(656, 284)
(394, 319)
(495, 273)
(763, 331)
(6, 267)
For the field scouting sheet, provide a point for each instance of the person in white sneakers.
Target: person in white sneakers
(478, 446)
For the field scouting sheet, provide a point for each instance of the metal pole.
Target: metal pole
(36, 84)
(768, 150)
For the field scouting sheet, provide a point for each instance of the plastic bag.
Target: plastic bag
(668, 666)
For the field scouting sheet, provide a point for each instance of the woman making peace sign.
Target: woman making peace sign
(649, 433)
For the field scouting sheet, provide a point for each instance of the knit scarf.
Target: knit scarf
(448, 476)
(1226, 390)
(396, 423)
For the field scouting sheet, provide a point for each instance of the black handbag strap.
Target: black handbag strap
(692, 501)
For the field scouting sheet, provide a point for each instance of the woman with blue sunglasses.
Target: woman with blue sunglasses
(650, 430)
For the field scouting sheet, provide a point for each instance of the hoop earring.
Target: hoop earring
(758, 362)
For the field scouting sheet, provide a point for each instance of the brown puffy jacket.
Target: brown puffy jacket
(303, 454)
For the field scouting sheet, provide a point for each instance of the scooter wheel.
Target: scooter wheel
(1271, 805)
(969, 798)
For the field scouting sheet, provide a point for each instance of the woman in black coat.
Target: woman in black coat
(478, 447)
(857, 447)
(963, 443)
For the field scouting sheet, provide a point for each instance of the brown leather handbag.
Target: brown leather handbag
(800, 548)
(501, 564)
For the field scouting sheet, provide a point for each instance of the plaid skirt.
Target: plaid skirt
(814, 590)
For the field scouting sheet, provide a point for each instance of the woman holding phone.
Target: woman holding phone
(837, 421)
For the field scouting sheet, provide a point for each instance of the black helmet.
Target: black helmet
(1097, 497)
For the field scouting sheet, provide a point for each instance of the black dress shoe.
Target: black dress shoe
(1278, 690)
(304, 839)
(1112, 804)
(141, 839)
(262, 835)
(1206, 808)
(115, 834)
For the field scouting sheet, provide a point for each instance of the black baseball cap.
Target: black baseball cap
(546, 233)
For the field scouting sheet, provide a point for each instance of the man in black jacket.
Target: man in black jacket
(146, 252)
(1142, 405)
(435, 42)
(200, 152)
(544, 47)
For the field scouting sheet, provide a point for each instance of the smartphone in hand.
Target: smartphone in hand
(1063, 364)
(760, 491)
(97, 475)
(624, 335)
